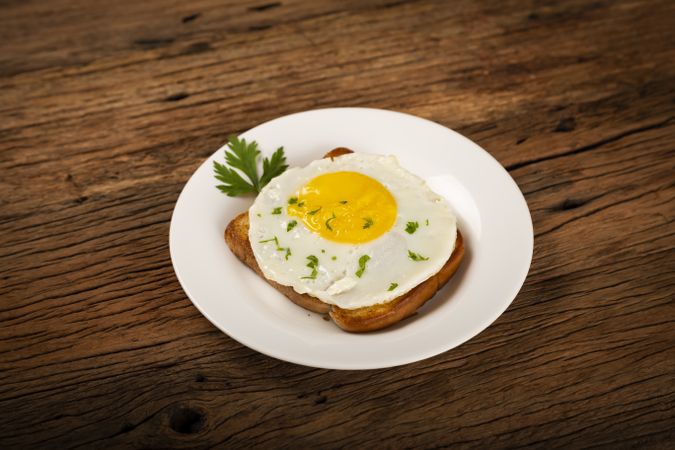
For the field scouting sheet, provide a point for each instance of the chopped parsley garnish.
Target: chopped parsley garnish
(411, 227)
(368, 222)
(426, 222)
(343, 202)
(244, 157)
(392, 286)
(291, 225)
(334, 258)
(312, 264)
(362, 265)
(323, 251)
(329, 221)
(258, 214)
(293, 200)
(301, 204)
(279, 249)
(311, 213)
(274, 239)
(416, 256)
(276, 210)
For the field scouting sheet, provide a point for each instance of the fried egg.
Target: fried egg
(352, 231)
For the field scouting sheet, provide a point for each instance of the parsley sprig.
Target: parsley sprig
(243, 156)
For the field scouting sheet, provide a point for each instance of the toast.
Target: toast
(358, 320)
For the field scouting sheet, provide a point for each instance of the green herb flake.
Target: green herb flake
(416, 256)
(323, 251)
(293, 200)
(334, 258)
(279, 248)
(291, 225)
(311, 213)
(368, 222)
(274, 239)
(426, 222)
(277, 210)
(258, 214)
(329, 221)
(392, 286)
(343, 202)
(411, 227)
(362, 265)
(301, 204)
(312, 264)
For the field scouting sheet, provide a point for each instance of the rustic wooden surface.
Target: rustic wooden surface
(107, 110)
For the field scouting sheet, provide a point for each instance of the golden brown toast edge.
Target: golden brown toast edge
(364, 319)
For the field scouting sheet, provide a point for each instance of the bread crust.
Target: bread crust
(369, 318)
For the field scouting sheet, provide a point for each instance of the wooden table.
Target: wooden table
(107, 110)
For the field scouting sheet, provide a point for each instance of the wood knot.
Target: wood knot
(571, 203)
(190, 18)
(187, 420)
(264, 7)
(177, 97)
(127, 427)
(566, 125)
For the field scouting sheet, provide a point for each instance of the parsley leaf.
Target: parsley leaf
(276, 210)
(392, 286)
(343, 202)
(416, 256)
(411, 227)
(244, 157)
(273, 167)
(234, 185)
(291, 225)
(368, 222)
(293, 200)
(311, 213)
(362, 265)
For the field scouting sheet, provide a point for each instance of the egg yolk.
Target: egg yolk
(346, 207)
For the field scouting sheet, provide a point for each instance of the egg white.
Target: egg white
(336, 281)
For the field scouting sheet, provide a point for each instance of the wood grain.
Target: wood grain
(107, 110)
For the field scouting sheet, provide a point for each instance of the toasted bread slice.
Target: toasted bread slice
(368, 318)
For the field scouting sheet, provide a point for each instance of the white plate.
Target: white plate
(492, 215)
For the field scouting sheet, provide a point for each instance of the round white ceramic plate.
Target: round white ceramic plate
(492, 215)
